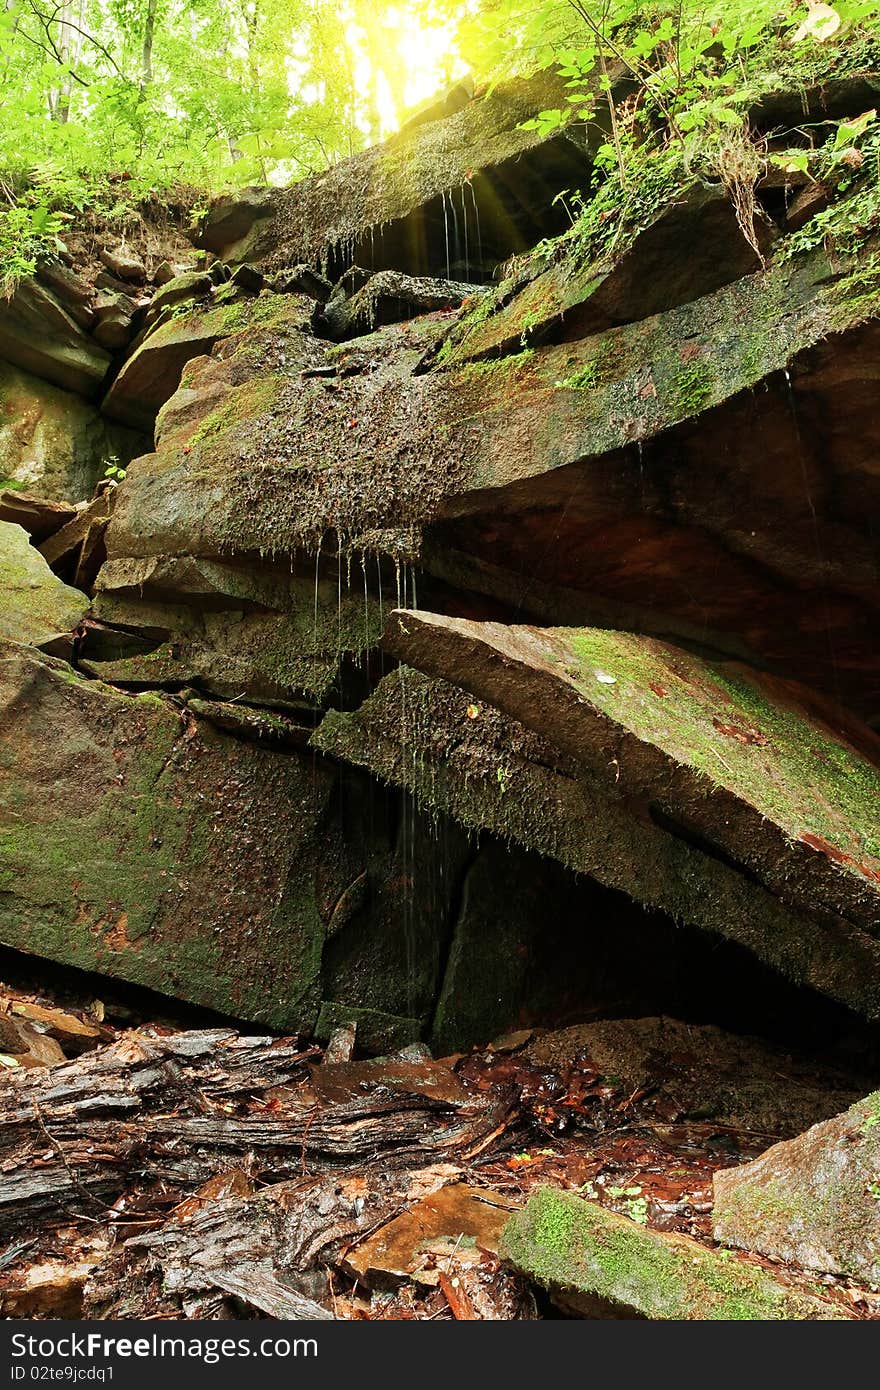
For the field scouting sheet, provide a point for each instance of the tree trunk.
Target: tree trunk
(147, 49)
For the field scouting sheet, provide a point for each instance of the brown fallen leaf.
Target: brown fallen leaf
(735, 731)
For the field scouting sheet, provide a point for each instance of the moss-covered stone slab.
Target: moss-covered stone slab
(784, 785)
(138, 841)
(814, 1200)
(462, 756)
(151, 374)
(561, 292)
(38, 335)
(35, 606)
(364, 210)
(390, 297)
(53, 444)
(599, 1264)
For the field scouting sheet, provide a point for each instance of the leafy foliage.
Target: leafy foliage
(671, 85)
(29, 230)
(106, 102)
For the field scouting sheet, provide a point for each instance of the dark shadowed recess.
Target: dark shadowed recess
(514, 940)
(468, 232)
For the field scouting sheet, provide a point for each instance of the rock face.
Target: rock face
(611, 507)
(36, 608)
(53, 443)
(599, 1264)
(272, 637)
(814, 1200)
(40, 336)
(388, 297)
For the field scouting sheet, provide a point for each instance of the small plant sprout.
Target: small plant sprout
(114, 473)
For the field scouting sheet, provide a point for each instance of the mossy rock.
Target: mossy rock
(377, 1032)
(38, 335)
(601, 1264)
(591, 454)
(35, 606)
(53, 443)
(138, 841)
(151, 374)
(266, 640)
(814, 1200)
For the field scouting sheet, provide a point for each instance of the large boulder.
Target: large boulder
(455, 195)
(37, 607)
(193, 847)
(53, 443)
(40, 336)
(139, 841)
(613, 478)
(700, 789)
(814, 1200)
(598, 1264)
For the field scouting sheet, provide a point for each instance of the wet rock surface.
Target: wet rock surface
(812, 1200)
(431, 627)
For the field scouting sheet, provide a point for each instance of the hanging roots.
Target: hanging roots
(739, 163)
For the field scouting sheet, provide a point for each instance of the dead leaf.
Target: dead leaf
(747, 735)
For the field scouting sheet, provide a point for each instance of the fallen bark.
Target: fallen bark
(269, 1251)
(176, 1110)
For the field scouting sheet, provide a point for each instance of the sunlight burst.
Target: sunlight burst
(399, 59)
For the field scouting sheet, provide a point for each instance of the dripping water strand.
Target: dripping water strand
(317, 582)
(456, 239)
(464, 219)
(381, 612)
(446, 235)
(479, 233)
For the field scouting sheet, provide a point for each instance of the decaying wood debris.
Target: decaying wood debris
(200, 1173)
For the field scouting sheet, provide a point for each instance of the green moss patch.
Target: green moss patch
(740, 733)
(595, 1256)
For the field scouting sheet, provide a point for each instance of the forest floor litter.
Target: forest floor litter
(149, 1168)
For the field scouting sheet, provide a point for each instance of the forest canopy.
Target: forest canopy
(106, 102)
